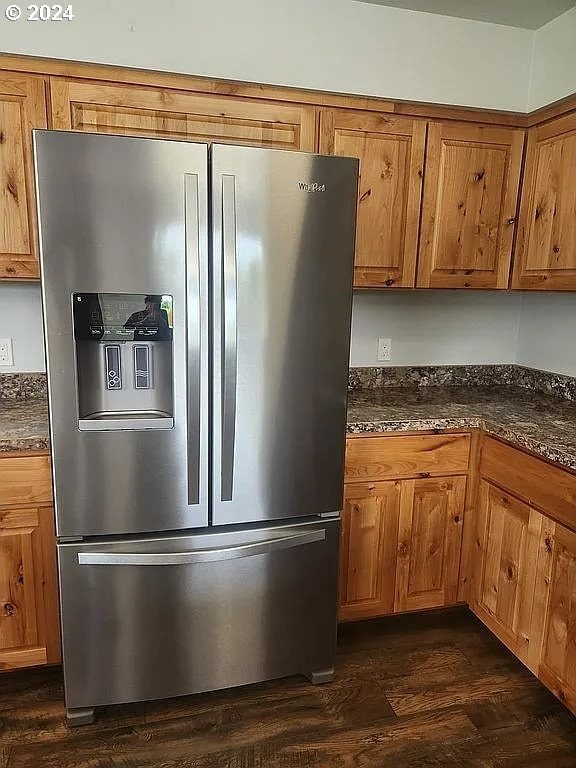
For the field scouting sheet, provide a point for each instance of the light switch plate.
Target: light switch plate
(384, 349)
(6, 357)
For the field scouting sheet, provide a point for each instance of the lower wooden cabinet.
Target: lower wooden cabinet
(555, 612)
(429, 543)
(400, 546)
(29, 627)
(29, 621)
(505, 558)
(368, 549)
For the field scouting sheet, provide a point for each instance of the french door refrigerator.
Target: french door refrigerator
(197, 303)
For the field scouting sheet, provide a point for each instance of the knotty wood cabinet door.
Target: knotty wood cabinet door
(556, 614)
(142, 111)
(506, 542)
(429, 543)
(22, 108)
(368, 549)
(29, 624)
(469, 209)
(391, 154)
(545, 257)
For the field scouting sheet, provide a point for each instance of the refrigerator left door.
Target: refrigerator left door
(124, 262)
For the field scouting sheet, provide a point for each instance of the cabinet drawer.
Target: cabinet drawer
(397, 456)
(542, 485)
(25, 480)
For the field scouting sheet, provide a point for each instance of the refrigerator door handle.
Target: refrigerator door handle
(194, 299)
(249, 549)
(229, 341)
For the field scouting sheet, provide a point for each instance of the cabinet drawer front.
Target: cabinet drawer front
(398, 456)
(536, 482)
(25, 480)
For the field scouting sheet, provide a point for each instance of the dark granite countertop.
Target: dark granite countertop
(24, 425)
(542, 424)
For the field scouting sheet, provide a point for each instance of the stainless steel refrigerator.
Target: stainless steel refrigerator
(197, 304)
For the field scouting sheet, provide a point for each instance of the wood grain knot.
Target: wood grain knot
(2, 137)
(548, 544)
(389, 282)
(556, 249)
(9, 609)
(510, 573)
(365, 195)
(457, 519)
(424, 474)
(480, 175)
(11, 188)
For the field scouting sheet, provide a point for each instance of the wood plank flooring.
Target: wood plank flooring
(427, 690)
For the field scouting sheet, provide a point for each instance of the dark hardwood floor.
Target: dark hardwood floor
(422, 690)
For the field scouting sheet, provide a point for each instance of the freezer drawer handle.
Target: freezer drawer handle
(229, 350)
(202, 555)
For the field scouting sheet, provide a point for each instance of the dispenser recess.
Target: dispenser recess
(123, 360)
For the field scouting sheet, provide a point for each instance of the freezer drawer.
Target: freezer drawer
(154, 618)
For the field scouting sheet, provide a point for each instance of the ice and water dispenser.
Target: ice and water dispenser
(124, 360)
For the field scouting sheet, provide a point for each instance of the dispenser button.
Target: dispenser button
(113, 366)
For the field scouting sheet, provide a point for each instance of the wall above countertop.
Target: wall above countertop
(427, 327)
(434, 327)
(21, 321)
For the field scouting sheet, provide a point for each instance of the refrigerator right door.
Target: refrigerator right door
(282, 266)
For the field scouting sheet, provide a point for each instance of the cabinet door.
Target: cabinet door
(22, 108)
(391, 154)
(429, 543)
(545, 257)
(506, 554)
(368, 549)
(469, 208)
(29, 622)
(558, 656)
(141, 111)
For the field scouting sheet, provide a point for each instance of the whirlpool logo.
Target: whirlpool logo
(311, 186)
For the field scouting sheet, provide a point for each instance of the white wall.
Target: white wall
(426, 328)
(21, 320)
(554, 61)
(547, 337)
(336, 45)
(436, 327)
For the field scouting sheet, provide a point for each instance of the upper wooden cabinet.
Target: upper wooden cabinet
(469, 208)
(22, 108)
(545, 256)
(141, 111)
(391, 154)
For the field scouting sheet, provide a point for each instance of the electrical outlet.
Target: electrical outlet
(384, 349)
(6, 352)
